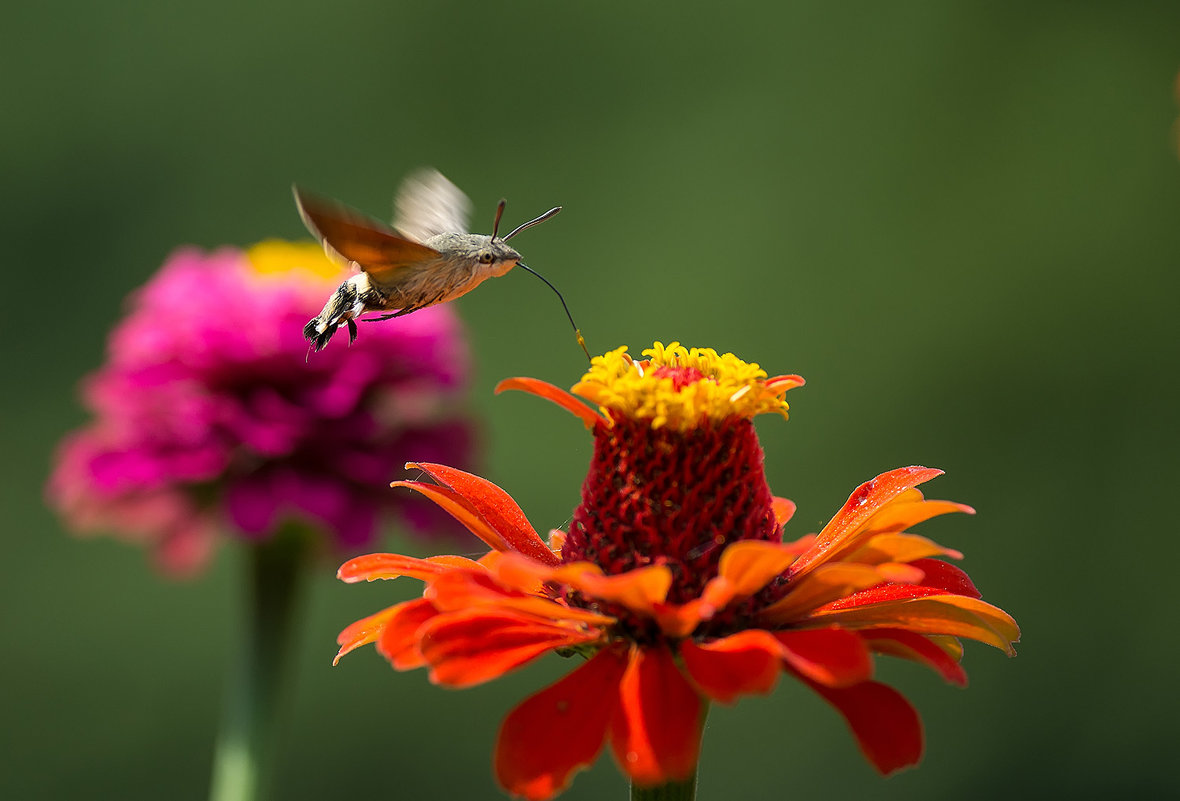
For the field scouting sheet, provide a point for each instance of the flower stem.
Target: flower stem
(245, 742)
(672, 791)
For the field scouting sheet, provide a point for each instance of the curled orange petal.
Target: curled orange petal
(543, 389)
(363, 631)
(781, 383)
(461, 509)
(374, 566)
(494, 506)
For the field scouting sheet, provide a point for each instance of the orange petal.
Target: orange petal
(560, 730)
(747, 662)
(476, 645)
(373, 566)
(784, 509)
(656, 734)
(458, 591)
(559, 396)
(826, 583)
(903, 514)
(831, 657)
(639, 590)
(495, 506)
(749, 565)
(557, 539)
(514, 570)
(956, 615)
(899, 548)
(461, 509)
(916, 648)
(864, 502)
(887, 729)
(399, 639)
(782, 383)
(363, 631)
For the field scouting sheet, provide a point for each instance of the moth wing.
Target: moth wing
(427, 204)
(350, 237)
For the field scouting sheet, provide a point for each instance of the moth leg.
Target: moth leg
(400, 313)
(352, 332)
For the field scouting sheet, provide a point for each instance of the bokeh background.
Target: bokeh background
(959, 221)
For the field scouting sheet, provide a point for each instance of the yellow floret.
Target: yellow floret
(728, 387)
(278, 257)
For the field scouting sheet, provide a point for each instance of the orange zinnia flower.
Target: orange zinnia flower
(675, 583)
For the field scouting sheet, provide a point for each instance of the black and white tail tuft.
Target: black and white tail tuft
(337, 311)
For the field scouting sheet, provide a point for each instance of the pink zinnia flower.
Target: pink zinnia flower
(209, 417)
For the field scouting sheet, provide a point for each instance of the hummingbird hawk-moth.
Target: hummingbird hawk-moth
(425, 258)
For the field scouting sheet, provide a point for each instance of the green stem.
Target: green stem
(245, 742)
(672, 791)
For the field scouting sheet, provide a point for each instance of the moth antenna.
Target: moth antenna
(530, 224)
(577, 331)
(499, 214)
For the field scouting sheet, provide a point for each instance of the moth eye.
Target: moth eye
(486, 258)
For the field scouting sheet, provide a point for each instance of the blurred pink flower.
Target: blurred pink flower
(210, 418)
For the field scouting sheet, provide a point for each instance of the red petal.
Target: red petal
(559, 396)
(747, 662)
(560, 730)
(887, 729)
(864, 502)
(495, 506)
(946, 577)
(832, 657)
(474, 646)
(399, 639)
(656, 736)
(915, 647)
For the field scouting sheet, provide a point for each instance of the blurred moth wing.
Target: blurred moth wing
(358, 241)
(427, 204)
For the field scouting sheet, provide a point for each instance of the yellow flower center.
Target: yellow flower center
(280, 258)
(680, 387)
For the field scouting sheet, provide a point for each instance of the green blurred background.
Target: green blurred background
(959, 221)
